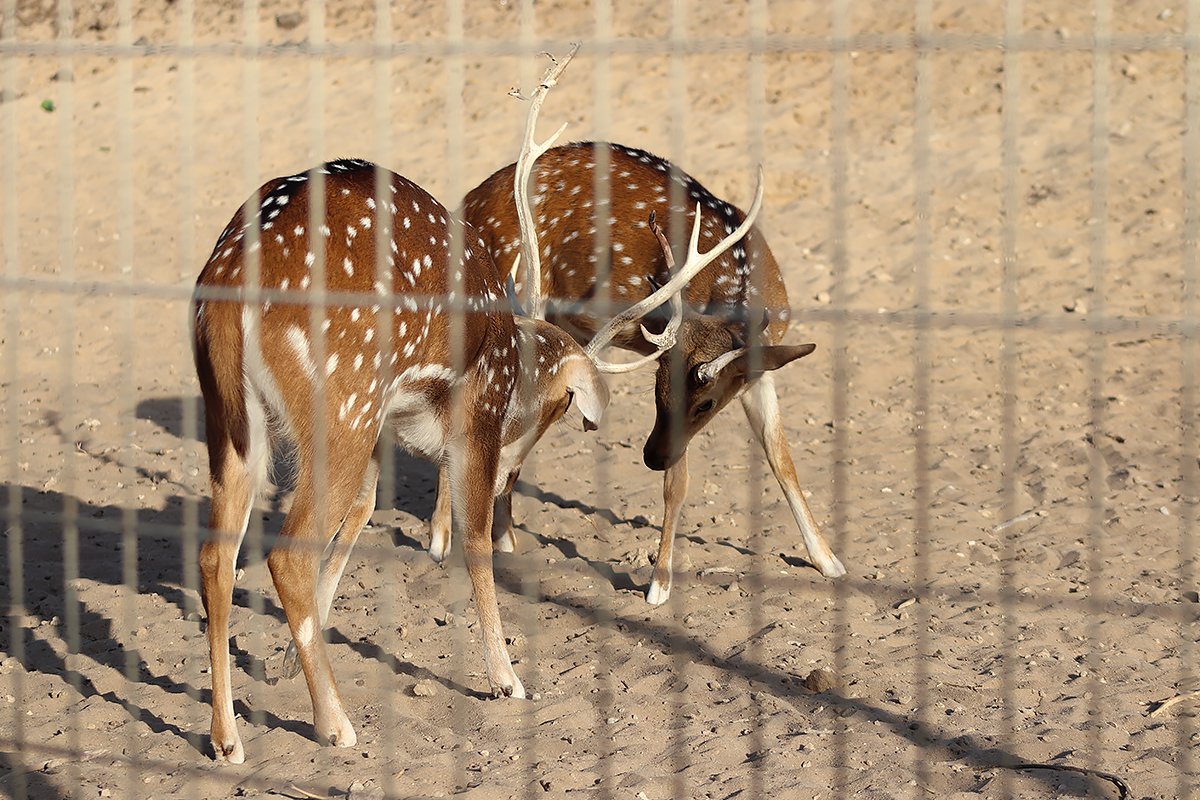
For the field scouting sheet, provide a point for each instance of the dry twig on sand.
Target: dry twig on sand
(1122, 787)
(1163, 705)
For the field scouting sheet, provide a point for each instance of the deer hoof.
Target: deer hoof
(657, 594)
(229, 752)
(513, 690)
(291, 662)
(438, 550)
(506, 543)
(342, 734)
(832, 568)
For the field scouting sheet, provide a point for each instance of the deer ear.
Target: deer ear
(769, 358)
(589, 390)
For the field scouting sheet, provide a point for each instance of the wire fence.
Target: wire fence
(985, 218)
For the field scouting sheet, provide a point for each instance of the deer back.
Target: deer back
(570, 219)
(398, 331)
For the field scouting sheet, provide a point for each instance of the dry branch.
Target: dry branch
(1163, 705)
(1122, 787)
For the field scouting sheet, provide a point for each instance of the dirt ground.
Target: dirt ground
(1021, 575)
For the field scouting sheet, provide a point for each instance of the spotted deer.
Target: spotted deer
(738, 299)
(381, 312)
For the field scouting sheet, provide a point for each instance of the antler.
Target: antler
(672, 290)
(666, 340)
(709, 372)
(530, 152)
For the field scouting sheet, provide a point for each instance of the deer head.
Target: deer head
(710, 364)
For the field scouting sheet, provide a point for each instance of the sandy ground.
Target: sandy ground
(1028, 603)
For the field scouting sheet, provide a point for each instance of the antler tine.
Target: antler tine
(662, 341)
(692, 266)
(510, 289)
(530, 152)
(666, 340)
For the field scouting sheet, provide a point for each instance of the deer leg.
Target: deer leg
(234, 484)
(294, 563)
(675, 488)
(762, 409)
(472, 515)
(338, 556)
(440, 522)
(503, 538)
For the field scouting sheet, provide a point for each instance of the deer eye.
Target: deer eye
(704, 407)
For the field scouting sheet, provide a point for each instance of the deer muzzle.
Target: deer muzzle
(662, 450)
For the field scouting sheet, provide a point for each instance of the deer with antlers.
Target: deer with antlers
(380, 311)
(588, 233)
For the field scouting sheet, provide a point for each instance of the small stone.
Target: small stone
(425, 688)
(291, 19)
(362, 791)
(822, 680)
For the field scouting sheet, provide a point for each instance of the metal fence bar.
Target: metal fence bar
(1189, 400)
(842, 336)
(126, 258)
(66, 362)
(923, 182)
(1097, 308)
(15, 609)
(1027, 41)
(1009, 371)
(756, 618)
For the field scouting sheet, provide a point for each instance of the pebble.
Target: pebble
(822, 680)
(360, 791)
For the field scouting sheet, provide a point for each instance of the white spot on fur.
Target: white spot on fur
(299, 344)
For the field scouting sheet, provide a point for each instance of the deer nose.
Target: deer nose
(655, 461)
(657, 454)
